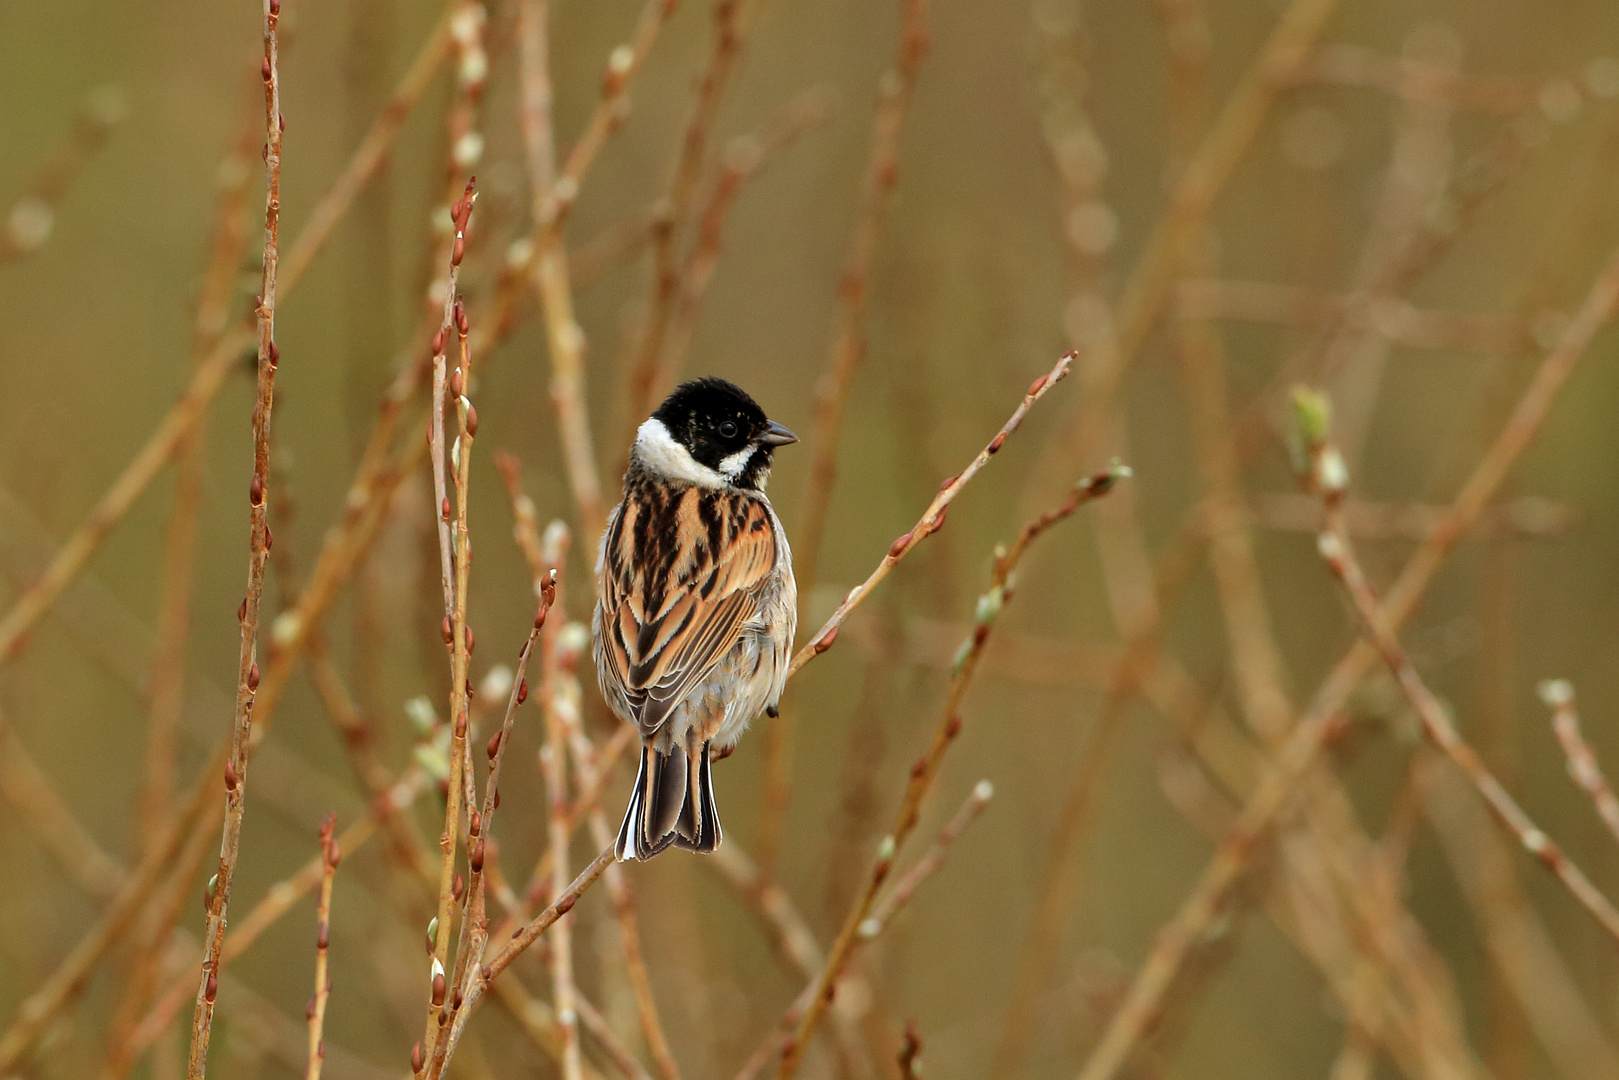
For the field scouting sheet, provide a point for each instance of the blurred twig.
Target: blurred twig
(33, 216)
(1558, 694)
(330, 853)
(931, 521)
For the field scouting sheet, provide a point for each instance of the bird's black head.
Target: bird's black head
(726, 438)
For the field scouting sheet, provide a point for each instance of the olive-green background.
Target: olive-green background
(967, 298)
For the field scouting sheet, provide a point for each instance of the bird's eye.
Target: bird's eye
(728, 430)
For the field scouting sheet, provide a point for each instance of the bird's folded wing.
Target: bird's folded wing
(673, 605)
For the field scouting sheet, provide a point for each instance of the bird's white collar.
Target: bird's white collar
(659, 452)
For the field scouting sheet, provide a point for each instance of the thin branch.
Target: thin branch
(1558, 694)
(556, 661)
(330, 854)
(739, 161)
(895, 90)
(1397, 319)
(525, 937)
(458, 636)
(928, 864)
(247, 681)
(931, 521)
(277, 900)
(848, 345)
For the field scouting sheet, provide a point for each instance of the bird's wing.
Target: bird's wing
(682, 571)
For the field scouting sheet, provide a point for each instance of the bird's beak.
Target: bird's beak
(777, 435)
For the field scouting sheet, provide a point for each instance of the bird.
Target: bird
(696, 606)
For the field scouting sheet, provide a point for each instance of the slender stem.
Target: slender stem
(166, 690)
(930, 522)
(929, 864)
(527, 936)
(278, 899)
(675, 207)
(247, 682)
(330, 854)
(455, 601)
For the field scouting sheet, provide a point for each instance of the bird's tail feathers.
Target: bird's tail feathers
(673, 803)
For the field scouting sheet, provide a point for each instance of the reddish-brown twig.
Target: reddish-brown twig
(1558, 694)
(741, 158)
(525, 937)
(276, 902)
(1437, 725)
(926, 766)
(556, 682)
(330, 853)
(456, 552)
(33, 216)
(1177, 939)
(1530, 967)
(247, 681)
(932, 518)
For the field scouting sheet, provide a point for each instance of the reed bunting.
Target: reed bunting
(695, 605)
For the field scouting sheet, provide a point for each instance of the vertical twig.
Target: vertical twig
(181, 420)
(330, 853)
(554, 675)
(247, 682)
(457, 636)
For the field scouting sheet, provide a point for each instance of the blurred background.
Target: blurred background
(1424, 199)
